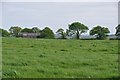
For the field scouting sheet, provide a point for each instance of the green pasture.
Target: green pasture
(57, 58)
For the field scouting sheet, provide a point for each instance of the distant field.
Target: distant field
(52, 58)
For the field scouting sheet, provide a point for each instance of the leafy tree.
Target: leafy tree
(78, 28)
(36, 30)
(118, 30)
(47, 33)
(15, 30)
(100, 32)
(27, 30)
(69, 32)
(4, 33)
(62, 33)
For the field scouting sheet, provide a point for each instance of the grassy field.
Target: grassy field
(52, 58)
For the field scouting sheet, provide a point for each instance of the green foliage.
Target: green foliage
(62, 33)
(78, 28)
(118, 30)
(27, 30)
(33, 30)
(47, 33)
(15, 30)
(101, 32)
(51, 58)
(4, 33)
(36, 30)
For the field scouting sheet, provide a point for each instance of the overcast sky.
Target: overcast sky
(59, 14)
(59, 0)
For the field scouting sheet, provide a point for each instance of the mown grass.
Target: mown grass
(52, 58)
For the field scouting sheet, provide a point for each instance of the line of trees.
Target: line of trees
(75, 28)
(45, 33)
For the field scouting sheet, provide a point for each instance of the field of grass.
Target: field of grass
(52, 58)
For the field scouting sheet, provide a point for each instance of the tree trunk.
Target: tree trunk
(63, 35)
(78, 34)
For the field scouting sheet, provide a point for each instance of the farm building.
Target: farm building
(112, 36)
(29, 35)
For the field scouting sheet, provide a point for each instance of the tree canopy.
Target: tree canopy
(36, 30)
(15, 30)
(118, 30)
(27, 30)
(62, 33)
(4, 33)
(100, 32)
(78, 28)
(47, 33)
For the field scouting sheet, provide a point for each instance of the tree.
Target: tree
(62, 33)
(15, 30)
(100, 32)
(36, 30)
(47, 33)
(4, 33)
(27, 30)
(78, 28)
(118, 30)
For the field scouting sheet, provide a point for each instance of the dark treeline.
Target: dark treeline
(75, 28)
